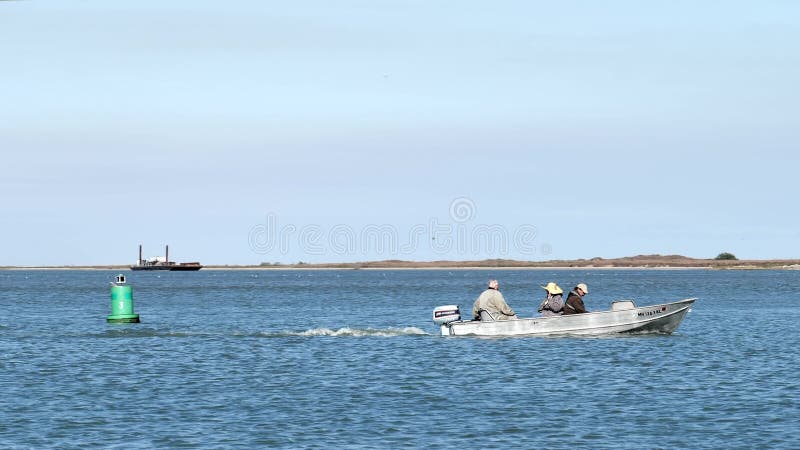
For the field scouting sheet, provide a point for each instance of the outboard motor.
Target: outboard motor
(442, 315)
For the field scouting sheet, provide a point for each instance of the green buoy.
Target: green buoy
(122, 302)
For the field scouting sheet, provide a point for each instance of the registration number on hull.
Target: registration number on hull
(652, 312)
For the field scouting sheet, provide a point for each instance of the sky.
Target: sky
(243, 132)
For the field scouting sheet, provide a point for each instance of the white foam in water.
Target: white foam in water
(359, 332)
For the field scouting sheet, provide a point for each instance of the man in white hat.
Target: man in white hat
(492, 301)
(574, 304)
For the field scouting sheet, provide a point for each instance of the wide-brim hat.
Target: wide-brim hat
(553, 288)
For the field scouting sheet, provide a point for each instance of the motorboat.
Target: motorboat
(623, 317)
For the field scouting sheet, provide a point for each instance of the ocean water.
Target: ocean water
(351, 359)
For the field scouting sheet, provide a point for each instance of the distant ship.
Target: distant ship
(163, 263)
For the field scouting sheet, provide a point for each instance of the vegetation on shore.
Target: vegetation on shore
(640, 261)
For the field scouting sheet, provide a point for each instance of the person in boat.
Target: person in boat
(492, 302)
(553, 303)
(574, 304)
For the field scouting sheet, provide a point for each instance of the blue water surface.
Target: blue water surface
(351, 359)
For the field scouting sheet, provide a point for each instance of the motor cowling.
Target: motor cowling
(446, 314)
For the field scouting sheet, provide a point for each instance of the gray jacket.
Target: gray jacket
(552, 306)
(492, 301)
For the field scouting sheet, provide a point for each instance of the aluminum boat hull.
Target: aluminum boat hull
(664, 318)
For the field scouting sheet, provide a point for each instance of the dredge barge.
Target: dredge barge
(163, 263)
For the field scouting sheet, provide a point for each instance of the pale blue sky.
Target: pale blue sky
(615, 128)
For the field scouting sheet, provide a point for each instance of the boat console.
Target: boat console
(622, 305)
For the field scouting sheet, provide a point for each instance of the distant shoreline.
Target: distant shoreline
(310, 267)
(641, 262)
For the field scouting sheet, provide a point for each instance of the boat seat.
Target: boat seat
(486, 316)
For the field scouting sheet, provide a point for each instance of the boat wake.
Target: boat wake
(130, 332)
(353, 332)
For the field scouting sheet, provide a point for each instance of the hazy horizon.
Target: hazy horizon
(411, 261)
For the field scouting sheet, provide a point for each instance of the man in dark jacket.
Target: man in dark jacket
(574, 304)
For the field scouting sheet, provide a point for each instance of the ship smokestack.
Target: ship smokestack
(140, 254)
(167, 255)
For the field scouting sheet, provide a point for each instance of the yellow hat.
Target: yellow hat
(553, 288)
